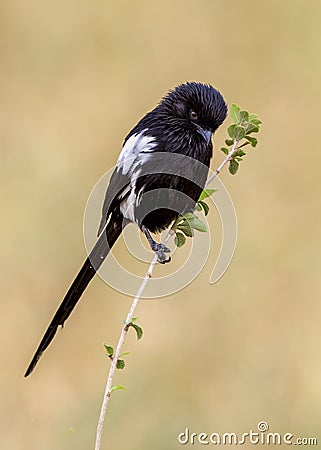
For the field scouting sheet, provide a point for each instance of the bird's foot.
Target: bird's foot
(161, 250)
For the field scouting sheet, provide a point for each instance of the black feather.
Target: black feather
(84, 276)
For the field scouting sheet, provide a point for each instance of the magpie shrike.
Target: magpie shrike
(147, 186)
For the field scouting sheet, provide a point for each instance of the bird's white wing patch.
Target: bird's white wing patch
(133, 152)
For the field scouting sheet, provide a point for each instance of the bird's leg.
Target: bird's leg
(159, 249)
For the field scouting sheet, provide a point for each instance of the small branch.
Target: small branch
(121, 340)
(130, 315)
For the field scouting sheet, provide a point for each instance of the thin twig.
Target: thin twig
(117, 353)
(130, 315)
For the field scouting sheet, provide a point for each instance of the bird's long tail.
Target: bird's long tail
(86, 273)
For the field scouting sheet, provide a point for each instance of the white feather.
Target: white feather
(135, 153)
(127, 206)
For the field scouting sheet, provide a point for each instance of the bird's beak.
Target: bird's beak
(205, 133)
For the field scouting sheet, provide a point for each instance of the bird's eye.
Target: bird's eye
(193, 115)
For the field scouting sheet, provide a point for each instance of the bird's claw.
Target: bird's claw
(161, 250)
(162, 259)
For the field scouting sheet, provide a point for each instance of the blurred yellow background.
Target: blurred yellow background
(75, 76)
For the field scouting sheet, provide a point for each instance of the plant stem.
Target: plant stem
(121, 340)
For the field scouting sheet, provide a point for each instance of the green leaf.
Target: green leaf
(109, 350)
(252, 128)
(233, 167)
(186, 229)
(120, 364)
(243, 117)
(198, 207)
(114, 388)
(197, 224)
(256, 122)
(134, 319)
(239, 132)
(137, 328)
(224, 150)
(253, 118)
(189, 216)
(206, 193)
(234, 111)
(231, 130)
(123, 354)
(252, 140)
(229, 142)
(204, 206)
(180, 221)
(180, 239)
(239, 152)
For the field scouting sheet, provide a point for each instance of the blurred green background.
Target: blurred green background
(75, 76)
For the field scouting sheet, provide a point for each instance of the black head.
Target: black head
(197, 106)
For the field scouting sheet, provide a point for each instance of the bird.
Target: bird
(160, 173)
